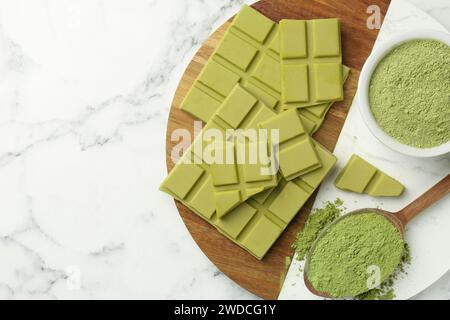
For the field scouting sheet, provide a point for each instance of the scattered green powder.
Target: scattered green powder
(410, 93)
(343, 256)
(406, 260)
(317, 220)
(381, 293)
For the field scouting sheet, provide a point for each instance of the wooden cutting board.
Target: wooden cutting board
(264, 278)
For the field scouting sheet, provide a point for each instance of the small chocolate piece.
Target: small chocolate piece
(361, 177)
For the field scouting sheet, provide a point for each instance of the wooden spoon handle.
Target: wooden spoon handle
(440, 190)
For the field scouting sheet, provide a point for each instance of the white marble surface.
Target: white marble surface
(85, 90)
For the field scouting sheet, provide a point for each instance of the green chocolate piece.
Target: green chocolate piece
(234, 183)
(248, 54)
(313, 116)
(275, 208)
(297, 154)
(311, 62)
(181, 187)
(360, 176)
(262, 236)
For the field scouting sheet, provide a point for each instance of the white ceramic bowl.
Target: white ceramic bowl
(363, 92)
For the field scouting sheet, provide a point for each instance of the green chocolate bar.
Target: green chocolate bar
(261, 77)
(297, 154)
(248, 54)
(230, 183)
(268, 212)
(360, 176)
(311, 62)
(256, 224)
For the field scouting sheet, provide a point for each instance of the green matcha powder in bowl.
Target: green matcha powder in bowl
(354, 254)
(404, 93)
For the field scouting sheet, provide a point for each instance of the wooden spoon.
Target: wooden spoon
(399, 219)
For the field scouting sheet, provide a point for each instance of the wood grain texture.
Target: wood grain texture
(263, 277)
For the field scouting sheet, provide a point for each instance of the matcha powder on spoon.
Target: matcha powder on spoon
(409, 93)
(344, 258)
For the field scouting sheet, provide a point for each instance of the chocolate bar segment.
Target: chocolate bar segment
(361, 177)
(257, 224)
(311, 62)
(297, 154)
(313, 116)
(248, 54)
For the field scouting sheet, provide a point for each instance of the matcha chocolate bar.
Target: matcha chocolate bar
(311, 62)
(297, 154)
(360, 176)
(247, 54)
(256, 223)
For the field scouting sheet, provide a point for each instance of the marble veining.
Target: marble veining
(84, 100)
(85, 91)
